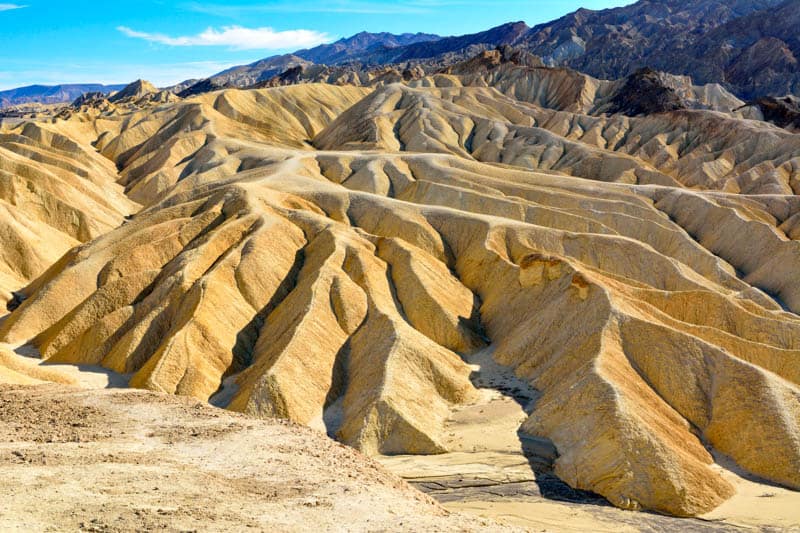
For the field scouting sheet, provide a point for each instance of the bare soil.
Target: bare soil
(122, 460)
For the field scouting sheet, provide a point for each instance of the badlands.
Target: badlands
(535, 295)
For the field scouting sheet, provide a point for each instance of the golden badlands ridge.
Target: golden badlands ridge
(473, 266)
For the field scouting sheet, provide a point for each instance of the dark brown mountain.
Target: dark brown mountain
(355, 47)
(646, 92)
(783, 111)
(750, 46)
(204, 86)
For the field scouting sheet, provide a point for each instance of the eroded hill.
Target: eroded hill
(338, 255)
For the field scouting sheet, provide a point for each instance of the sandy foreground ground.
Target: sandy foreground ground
(123, 460)
(98, 457)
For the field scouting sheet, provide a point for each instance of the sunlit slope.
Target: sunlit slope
(330, 253)
(54, 194)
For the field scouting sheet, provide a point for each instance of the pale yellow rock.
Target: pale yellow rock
(54, 194)
(19, 370)
(337, 255)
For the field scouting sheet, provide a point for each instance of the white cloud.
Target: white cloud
(237, 37)
(9, 7)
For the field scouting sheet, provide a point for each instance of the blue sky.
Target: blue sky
(51, 42)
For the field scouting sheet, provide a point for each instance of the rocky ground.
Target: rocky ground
(123, 460)
(108, 458)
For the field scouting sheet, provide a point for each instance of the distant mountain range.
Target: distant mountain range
(369, 50)
(751, 47)
(363, 43)
(354, 48)
(52, 94)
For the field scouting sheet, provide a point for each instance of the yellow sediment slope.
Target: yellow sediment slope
(338, 256)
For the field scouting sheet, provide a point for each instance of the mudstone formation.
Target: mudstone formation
(332, 254)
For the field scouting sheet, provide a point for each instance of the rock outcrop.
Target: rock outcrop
(783, 111)
(134, 91)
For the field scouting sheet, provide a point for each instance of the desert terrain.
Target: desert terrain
(534, 297)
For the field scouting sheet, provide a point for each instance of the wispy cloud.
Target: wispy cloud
(9, 7)
(237, 37)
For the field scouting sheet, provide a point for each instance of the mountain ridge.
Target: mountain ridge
(699, 38)
(51, 94)
(344, 48)
(748, 46)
